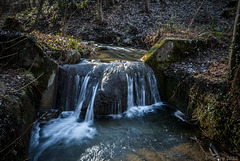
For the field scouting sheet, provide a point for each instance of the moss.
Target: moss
(154, 49)
(167, 51)
(18, 112)
(213, 112)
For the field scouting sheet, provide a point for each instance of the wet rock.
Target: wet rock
(127, 41)
(113, 80)
(12, 24)
(46, 115)
(99, 48)
(113, 87)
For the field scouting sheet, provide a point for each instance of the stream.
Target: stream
(112, 111)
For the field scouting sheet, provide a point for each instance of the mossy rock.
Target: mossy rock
(21, 51)
(217, 112)
(165, 52)
(12, 24)
(19, 112)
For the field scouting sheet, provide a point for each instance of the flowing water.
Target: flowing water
(130, 123)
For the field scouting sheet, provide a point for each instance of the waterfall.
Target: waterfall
(89, 116)
(140, 89)
(154, 91)
(105, 88)
(130, 99)
(136, 90)
(117, 89)
(82, 95)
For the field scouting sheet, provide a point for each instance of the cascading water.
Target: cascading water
(130, 101)
(90, 115)
(82, 94)
(122, 85)
(122, 90)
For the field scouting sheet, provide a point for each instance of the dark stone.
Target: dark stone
(22, 51)
(231, 4)
(12, 24)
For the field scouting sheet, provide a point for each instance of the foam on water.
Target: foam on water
(138, 111)
(179, 115)
(65, 131)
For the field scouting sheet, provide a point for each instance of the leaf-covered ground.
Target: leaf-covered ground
(127, 24)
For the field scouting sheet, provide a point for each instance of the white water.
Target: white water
(66, 129)
(130, 98)
(136, 87)
(82, 95)
(154, 91)
(121, 84)
(140, 89)
(90, 113)
(61, 131)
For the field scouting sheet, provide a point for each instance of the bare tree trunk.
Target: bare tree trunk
(105, 3)
(36, 21)
(147, 6)
(112, 2)
(236, 79)
(33, 3)
(29, 4)
(195, 14)
(2, 5)
(100, 12)
(234, 58)
(65, 19)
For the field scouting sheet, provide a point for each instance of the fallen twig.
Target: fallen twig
(26, 84)
(32, 65)
(7, 62)
(8, 55)
(175, 92)
(23, 133)
(195, 15)
(199, 143)
(214, 152)
(4, 42)
(15, 43)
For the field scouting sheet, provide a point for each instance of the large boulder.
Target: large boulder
(165, 52)
(19, 50)
(22, 51)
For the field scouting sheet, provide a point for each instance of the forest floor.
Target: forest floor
(127, 24)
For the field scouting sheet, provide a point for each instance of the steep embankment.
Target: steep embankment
(25, 71)
(199, 87)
